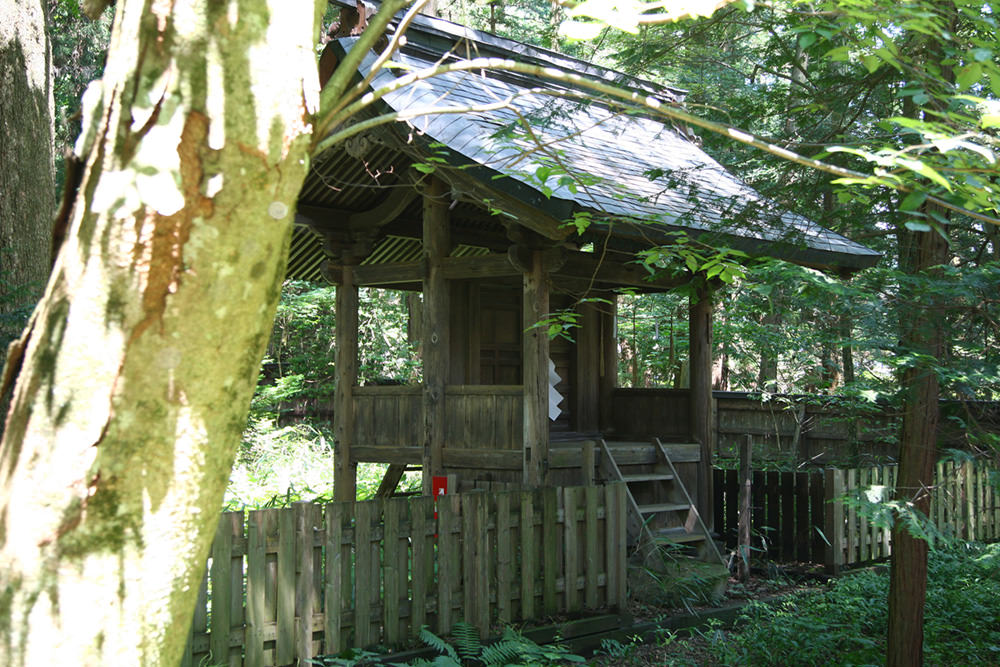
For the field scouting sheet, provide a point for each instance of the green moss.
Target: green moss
(98, 525)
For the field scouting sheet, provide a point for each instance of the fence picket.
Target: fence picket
(366, 574)
(305, 592)
(336, 584)
(392, 590)
(505, 560)
(529, 560)
(550, 548)
(592, 558)
(422, 539)
(449, 571)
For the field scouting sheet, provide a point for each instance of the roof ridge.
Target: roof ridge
(439, 27)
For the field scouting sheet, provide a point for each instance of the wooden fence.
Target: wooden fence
(802, 516)
(284, 585)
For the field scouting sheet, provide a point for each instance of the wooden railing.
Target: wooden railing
(803, 516)
(483, 425)
(284, 585)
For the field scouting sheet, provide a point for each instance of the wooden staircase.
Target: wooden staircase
(660, 508)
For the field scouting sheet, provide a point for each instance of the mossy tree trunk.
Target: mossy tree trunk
(142, 356)
(27, 187)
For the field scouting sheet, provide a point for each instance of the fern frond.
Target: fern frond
(467, 640)
(438, 644)
(504, 652)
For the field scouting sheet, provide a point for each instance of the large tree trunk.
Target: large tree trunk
(923, 339)
(27, 184)
(143, 354)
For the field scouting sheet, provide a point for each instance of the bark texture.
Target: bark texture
(143, 353)
(27, 181)
(922, 334)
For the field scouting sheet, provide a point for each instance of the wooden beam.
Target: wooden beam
(591, 266)
(535, 365)
(323, 218)
(700, 355)
(382, 454)
(530, 215)
(482, 459)
(346, 338)
(435, 341)
(389, 274)
(481, 266)
(387, 210)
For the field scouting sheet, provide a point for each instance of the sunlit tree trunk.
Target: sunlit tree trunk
(143, 354)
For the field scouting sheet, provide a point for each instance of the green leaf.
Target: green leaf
(924, 170)
(871, 63)
(969, 75)
(982, 55)
(807, 39)
(915, 226)
(913, 201)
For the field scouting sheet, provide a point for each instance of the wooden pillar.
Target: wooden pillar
(608, 379)
(435, 315)
(535, 365)
(344, 471)
(700, 332)
(588, 370)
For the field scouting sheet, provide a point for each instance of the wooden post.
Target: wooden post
(834, 520)
(434, 344)
(609, 361)
(746, 475)
(535, 367)
(587, 462)
(346, 337)
(588, 370)
(700, 352)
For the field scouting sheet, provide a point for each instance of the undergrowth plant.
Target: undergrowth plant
(846, 624)
(511, 650)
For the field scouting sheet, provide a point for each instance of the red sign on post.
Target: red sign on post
(439, 486)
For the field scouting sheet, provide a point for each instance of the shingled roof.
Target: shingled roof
(582, 155)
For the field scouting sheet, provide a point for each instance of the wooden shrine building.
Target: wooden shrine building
(528, 197)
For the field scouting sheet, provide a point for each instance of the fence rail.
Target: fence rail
(285, 585)
(802, 516)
